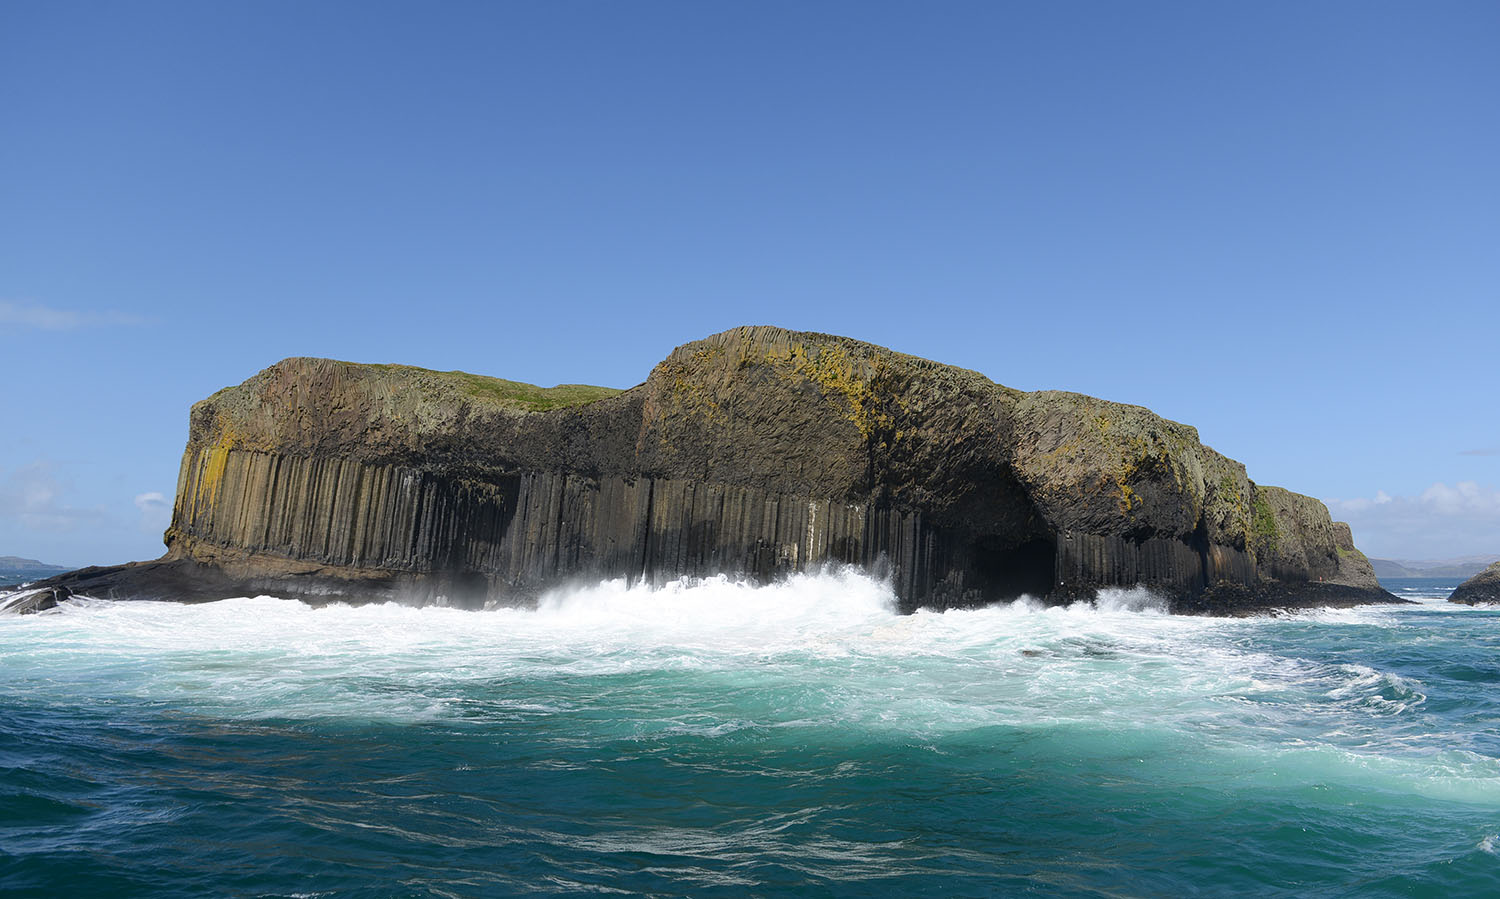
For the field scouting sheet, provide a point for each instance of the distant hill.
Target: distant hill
(14, 569)
(1462, 568)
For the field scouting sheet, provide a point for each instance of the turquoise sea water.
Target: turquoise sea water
(719, 739)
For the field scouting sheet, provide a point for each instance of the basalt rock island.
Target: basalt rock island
(757, 452)
(1483, 587)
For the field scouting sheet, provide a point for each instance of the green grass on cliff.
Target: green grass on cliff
(513, 394)
(1263, 526)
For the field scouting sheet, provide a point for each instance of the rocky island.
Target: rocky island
(1483, 587)
(757, 452)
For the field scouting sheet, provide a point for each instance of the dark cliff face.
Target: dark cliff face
(756, 452)
(1483, 587)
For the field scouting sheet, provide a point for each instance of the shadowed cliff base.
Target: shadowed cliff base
(756, 452)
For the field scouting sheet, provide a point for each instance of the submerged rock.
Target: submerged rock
(756, 452)
(1482, 587)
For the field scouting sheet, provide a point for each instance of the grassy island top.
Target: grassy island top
(307, 405)
(500, 392)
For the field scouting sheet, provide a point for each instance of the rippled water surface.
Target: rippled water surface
(720, 739)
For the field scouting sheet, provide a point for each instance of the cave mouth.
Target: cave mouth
(1004, 569)
(466, 589)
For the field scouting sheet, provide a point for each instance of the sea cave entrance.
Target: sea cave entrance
(1003, 569)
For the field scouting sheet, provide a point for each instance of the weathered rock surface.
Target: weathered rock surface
(755, 452)
(1482, 587)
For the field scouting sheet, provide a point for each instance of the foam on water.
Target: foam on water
(1087, 661)
(1368, 706)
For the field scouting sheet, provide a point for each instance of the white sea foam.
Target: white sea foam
(715, 658)
(1133, 599)
(828, 601)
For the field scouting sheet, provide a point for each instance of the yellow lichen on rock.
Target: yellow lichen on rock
(835, 373)
(215, 461)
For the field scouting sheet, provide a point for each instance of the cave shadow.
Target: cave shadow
(1005, 570)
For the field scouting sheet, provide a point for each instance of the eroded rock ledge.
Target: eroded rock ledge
(756, 452)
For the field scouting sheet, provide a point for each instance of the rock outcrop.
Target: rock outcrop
(756, 452)
(1482, 587)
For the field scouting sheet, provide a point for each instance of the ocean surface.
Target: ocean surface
(725, 740)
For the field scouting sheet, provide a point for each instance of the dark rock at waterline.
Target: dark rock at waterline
(1228, 599)
(1482, 587)
(29, 601)
(756, 452)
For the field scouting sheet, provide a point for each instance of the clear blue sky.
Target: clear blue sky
(1279, 222)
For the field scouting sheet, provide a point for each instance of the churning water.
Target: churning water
(723, 739)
